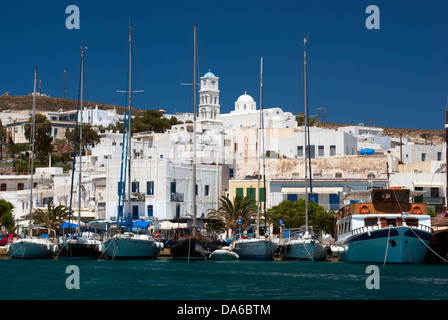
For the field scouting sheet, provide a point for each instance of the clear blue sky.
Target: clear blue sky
(396, 76)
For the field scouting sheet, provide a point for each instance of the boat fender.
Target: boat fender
(7, 248)
(55, 248)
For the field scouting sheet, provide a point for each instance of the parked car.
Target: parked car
(7, 237)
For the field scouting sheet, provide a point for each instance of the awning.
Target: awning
(318, 190)
(428, 184)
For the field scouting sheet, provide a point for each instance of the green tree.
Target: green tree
(42, 135)
(6, 215)
(300, 118)
(53, 217)
(229, 212)
(89, 135)
(293, 215)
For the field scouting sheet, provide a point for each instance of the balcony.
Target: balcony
(177, 197)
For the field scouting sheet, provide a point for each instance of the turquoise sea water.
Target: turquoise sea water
(168, 279)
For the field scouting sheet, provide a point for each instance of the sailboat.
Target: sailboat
(32, 247)
(193, 242)
(126, 244)
(302, 244)
(79, 246)
(246, 245)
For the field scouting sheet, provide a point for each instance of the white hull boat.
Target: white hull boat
(304, 249)
(31, 249)
(254, 248)
(223, 255)
(129, 246)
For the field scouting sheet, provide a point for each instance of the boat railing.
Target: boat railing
(377, 227)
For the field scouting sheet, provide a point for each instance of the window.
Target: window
(231, 174)
(3, 187)
(20, 186)
(435, 192)
(135, 186)
(423, 156)
(240, 192)
(150, 209)
(150, 188)
(261, 194)
(120, 188)
(320, 151)
(134, 212)
(338, 175)
(235, 147)
(332, 150)
(173, 187)
(300, 151)
(439, 156)
(207, 190)
(251, 193)
(312, 152)
(411, 222)
(292, 197)
(368, 222)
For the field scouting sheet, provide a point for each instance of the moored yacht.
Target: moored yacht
(386, 228)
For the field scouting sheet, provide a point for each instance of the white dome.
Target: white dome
(245, 98)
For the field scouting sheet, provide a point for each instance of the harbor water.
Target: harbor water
(169, 279)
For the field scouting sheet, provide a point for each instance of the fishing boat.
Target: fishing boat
(193, 242)
(79, 245)
(126, 244)
(383, 227)
(32, 247)
(303, 244)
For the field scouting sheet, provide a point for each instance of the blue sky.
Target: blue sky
(396, 76)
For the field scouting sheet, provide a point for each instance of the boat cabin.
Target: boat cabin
(381, 208)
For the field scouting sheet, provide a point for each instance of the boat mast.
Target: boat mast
(194, 135)
(80, 139)
(262, 137)
(306, 132)
(33, 124)
(129, 120)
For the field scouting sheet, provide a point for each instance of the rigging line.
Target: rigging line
(387, 245)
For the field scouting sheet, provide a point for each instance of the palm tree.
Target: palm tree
(229, 212)
(53, 217)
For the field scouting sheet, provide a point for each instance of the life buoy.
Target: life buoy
(416, 209)
(156, 235)
(364, 209)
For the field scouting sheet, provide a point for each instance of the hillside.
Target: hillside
(53, 104)
(418, 136)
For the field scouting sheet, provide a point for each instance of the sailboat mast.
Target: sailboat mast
(80, 138)
(194, 136)
(129, 120)
(262, 137)
(306, 132)
(33, 124)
